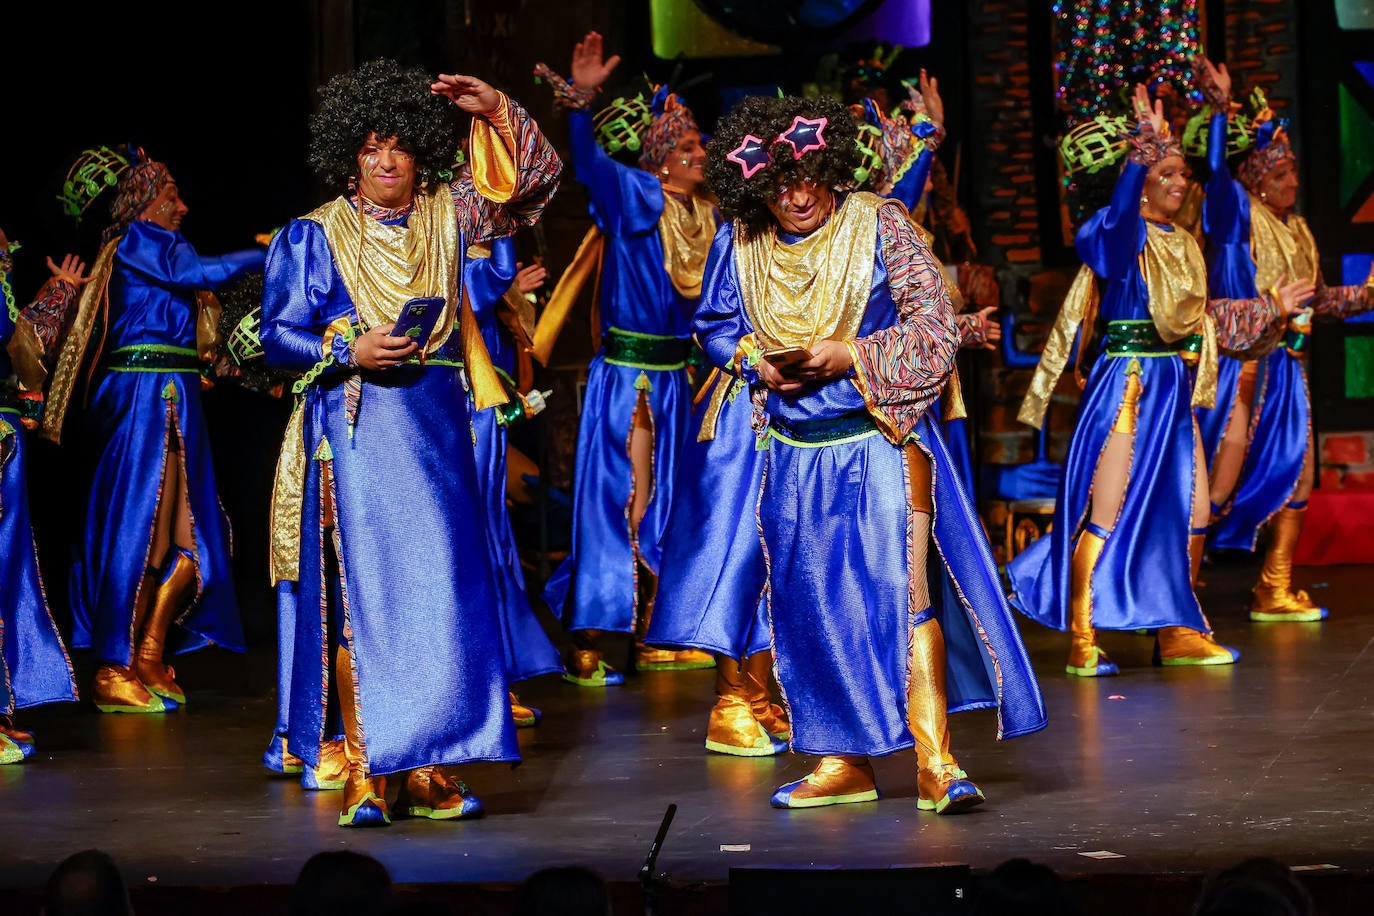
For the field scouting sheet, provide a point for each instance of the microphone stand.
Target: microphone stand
(650, 880)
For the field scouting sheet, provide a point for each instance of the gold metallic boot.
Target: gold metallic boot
(15, 745)
(1274, 600)
(1186, 646)
(648, 658)
(1085, 658)
(177, 586)
(586, 667)
(835, 781)
(332, 773)
(364, 800)
(524, 716)
(758, 668)
(941, 786)
(732, 727)
(116, 688)
(437, 793)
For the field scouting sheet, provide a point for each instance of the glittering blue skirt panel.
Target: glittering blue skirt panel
(528, 650)
(1273, 463)
(420, 616)
(34, 667)
(835, 524)
(710, 588)
(131, 422)
(1142, 579)
(594, 588)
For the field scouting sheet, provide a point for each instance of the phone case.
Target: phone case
(418, 317)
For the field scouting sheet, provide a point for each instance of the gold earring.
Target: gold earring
(1144, 201)
(1264, 195)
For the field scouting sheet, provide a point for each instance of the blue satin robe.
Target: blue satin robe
(833, 523)
(711, 590)
(594, 588)
(131, 418)
(34, 667)
(528, 650)
(1142, 579)
(419, 616)
(1273, 463)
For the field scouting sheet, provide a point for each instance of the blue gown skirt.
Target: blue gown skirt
(133, 417)
(528, 650)
(1142, 579)
(711, 588)
(594, 588)
(1274, 460)
(34, 667)
(836, 523)
(418, 614)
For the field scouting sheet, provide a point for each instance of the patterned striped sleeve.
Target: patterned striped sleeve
(1247, 328)
(48, 311)
(901, 369)
(1341, 302)
(539, 169)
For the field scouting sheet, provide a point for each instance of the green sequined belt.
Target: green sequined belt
(154, 358)
(645, 351)
(825, 431)
(1141, 338)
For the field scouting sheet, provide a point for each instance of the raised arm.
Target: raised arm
(514, 169)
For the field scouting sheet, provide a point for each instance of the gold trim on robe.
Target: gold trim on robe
(288, 499)
(1054, 357)
(585, 262)
(491, 146)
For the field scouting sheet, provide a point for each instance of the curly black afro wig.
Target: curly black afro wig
(747, 199)
(383, 98)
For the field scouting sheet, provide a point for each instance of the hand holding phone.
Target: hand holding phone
(418, 318)
(786, 359)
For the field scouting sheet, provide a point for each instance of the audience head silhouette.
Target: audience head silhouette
(87, 883)
(563, 891)
(1023, 888)
(340, 882)
(1255, 887)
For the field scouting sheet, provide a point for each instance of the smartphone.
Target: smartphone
(418, 317)
(786, 359)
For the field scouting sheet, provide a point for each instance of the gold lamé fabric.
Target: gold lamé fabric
(382, 266)
(1081, 297)
(288, 498)
(816, 288)
(491, 146)
(1176, 282)
(26, 353)
(93, 302)
(1281, 250)
(208, 315)
(584, 264)
(686, 230)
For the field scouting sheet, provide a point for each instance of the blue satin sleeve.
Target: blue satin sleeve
(720, 321)
(301, 295)
(625, 200)
(913, 183)
(1226, 224)
(487, 279)
(1112, 237)
(169, 260)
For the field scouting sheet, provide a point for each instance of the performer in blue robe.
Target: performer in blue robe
(857, 482)
(34, 667)
(157, 542)
(490, 281)
(1131, 511)
(653, 230)
(1259, 438)
(377, 510)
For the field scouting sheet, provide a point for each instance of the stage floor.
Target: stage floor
(1175, 772)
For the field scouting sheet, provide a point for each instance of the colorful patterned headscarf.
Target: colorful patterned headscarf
(672, 119)
(1272, 149)
(138, 186)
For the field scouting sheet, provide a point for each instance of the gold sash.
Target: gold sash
(816, 288)
(1176, 283)
(585, 262)
(686, 232)
(94, 301)
(1281, 250)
